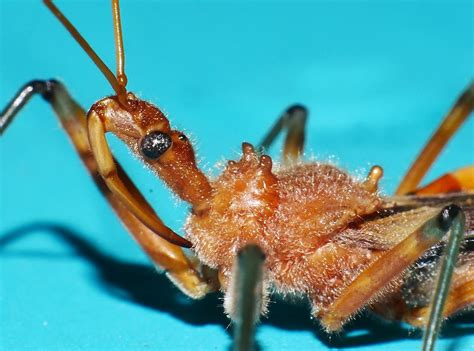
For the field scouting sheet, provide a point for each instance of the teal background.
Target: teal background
(377, 77)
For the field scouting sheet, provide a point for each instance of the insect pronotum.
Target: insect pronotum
(38, 154)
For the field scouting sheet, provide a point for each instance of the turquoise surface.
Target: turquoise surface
(376, 76)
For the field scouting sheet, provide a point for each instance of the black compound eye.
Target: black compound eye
(155, 144)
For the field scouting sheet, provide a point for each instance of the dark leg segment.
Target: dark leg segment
(294, 121)
(454, 219)
(41, 87)
(248, 296)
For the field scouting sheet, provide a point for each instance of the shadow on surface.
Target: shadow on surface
(141, 284)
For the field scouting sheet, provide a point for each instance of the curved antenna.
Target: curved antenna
(119, 87)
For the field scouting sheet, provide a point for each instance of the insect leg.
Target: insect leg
(456, 225)
(294, 121)
(164, 254)
(451, 123)
(391, 264)
(24, 95)
(247, 295)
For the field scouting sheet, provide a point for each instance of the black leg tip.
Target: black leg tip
(43, 87)
(447, 216)
(49, 86)
(297, 108)
(251, 250)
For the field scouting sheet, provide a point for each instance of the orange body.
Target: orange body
(310, 221)
(318, 227)
(294, 215)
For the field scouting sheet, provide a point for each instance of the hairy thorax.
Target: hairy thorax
(293, 215)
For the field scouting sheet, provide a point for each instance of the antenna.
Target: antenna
(118, 83)
(119, 50)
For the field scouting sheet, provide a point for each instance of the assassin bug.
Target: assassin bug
(156, 137)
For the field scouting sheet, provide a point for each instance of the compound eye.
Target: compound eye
(155, 144)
